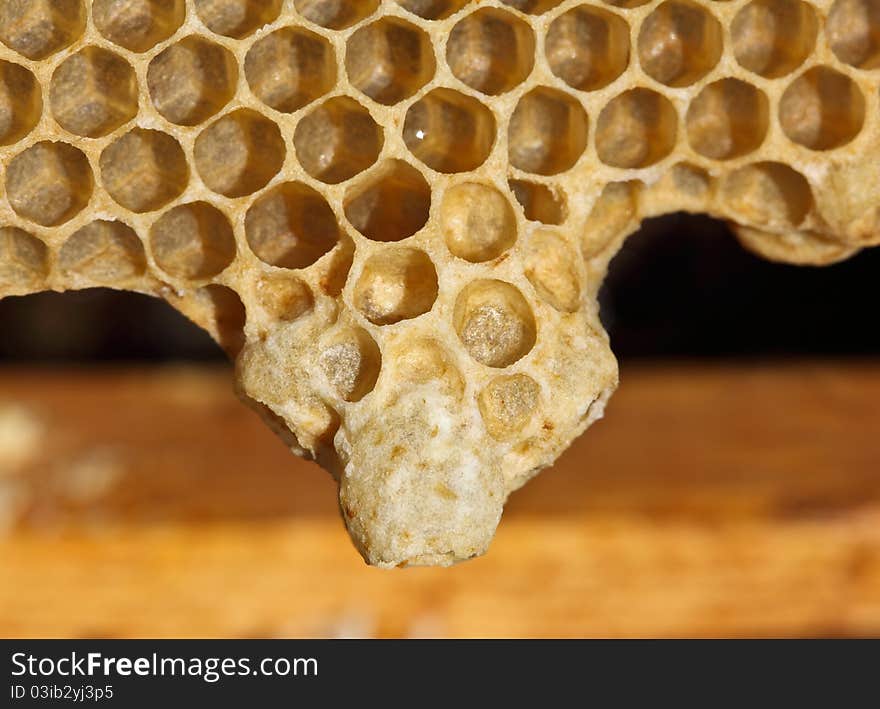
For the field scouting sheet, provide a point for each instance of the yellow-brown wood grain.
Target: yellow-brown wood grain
(711, 501)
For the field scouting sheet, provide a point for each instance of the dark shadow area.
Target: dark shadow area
(683, 287)
(99, 325)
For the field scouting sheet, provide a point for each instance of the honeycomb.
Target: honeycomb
(396, 215)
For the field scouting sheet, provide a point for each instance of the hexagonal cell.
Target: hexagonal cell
(547, 133)
(507, 404)
(138, 25)
(539, 202)
(449, 131)
(822, 109)
(533, 7)
(192, 241)
(336, 14)
(144, 170)
(38, 28)
(636, 129)
(728, 119)
(237, 18)
(772, 38)
(551, 267)
(21, 102)
(239, 153)
(491, 51)
(49, 183)
(679, 43)
(396, 284)
(191, 80)
(853, 30)
(477, 222)
(290, 68)
(389, 204)
(291, 226)
(587, 47)
(389, 60)
(494, 322)
(105, 252)
(351, 362)
(284, 297)
(338, 140)
(767, 193)
(24, 259)
(93, 92)
(433, 9)
(423, 360)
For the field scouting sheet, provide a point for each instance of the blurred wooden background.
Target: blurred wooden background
(712, 500)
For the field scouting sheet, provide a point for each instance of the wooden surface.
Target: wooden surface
(710, 501)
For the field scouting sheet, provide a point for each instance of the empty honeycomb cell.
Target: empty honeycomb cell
(491, 51)
(587, 47)
(389, 60)
(24, 259)
(679, 43)
(729, 118)
(533, 7)
(396, 284)
(822, 109)
(21, 102)
(425, 360)
(449, 131)
(290, 68)
(767, 193)
(239, 153)
(539, 202)
(853, 30)
(285, 297)
(494, 322)
(547, 132)
(49, 183)
(138, 25)
(389, 204)
(104, 252)
(551, 267)
(636, 129)
(192, 80)
(772, 38)
(291, 226)
(433, 9)
(507, 404)
(351, 361)
(477, 222)
(337, 140)
(237, 18)
(336, 14)
(38, 28)
(192, 240)
(144, 170)
(93, 92)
